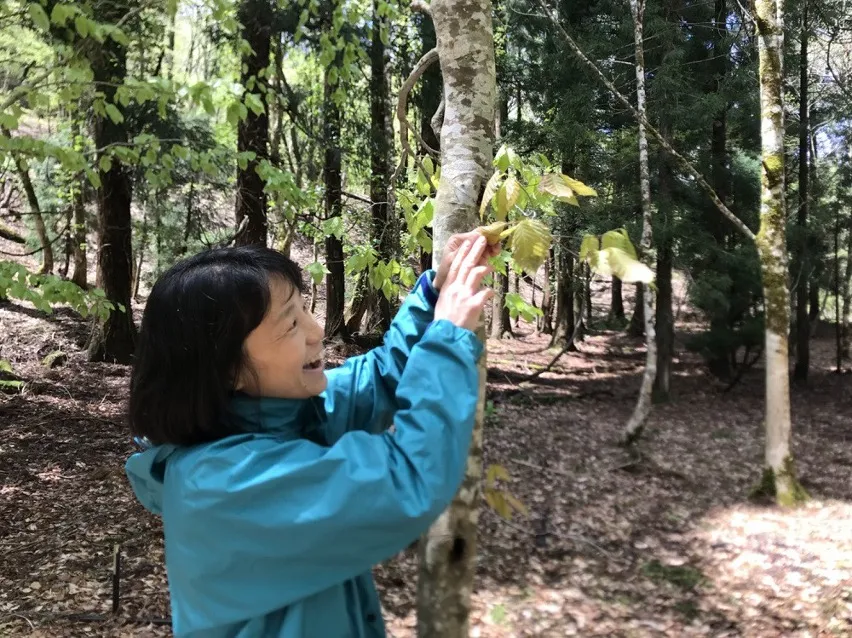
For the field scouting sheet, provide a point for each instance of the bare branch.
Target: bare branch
(684, 163)
(424, 63)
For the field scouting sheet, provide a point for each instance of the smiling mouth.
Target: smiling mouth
(314, 365)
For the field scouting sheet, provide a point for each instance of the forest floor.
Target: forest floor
(659, 543)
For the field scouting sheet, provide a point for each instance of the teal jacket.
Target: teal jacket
(273, 533)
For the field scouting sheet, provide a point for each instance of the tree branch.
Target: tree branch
(684, 163)
(424, 63)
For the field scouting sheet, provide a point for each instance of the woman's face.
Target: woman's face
(285, 351)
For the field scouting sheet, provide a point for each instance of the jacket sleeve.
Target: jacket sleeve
(362, 392)
(267, 523)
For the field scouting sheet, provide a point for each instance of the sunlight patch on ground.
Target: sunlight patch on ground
(795, 564)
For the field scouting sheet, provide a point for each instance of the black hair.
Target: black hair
(190, 347)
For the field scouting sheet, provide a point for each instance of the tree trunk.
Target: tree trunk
(113, 340)
(779, 474)
(846, 319)
(636, 423)
(256, 18)
(664, 321)
(466, 49)
(546, 323)
(430, 101)
(78, 241)
(32, 200)
(140, 260)
(616, 310)
(803, 332)
(384, 227)
(564, 294)
(637, 321)
(335, 281)
(501, 324)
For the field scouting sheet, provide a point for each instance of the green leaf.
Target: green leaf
(517, 505)
(9, 121)
(113, 113)
(334, 226)
(105, 163)
(254, 102)
(333, 76)
(502, 160)
(530, 244)
(317, 271)
(492, 232)
(94, 178)
(233, 113)
(39, 16)
(59, 14)
(82, 26)
(490, 190)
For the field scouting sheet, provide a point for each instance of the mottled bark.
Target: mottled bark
(664, 318)
(779, 473)
(803, 272)
(636, 423)
(256, 17)
(465, 44)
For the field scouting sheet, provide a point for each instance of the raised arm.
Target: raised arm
(287, 520)
(361, 393)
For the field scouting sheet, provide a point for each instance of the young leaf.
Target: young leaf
(589, 248)
(530, 244)
(519, 507)
(502, 160)
(554, 185)
(490, 191)
(492, 232)
(579, 187)
(105, 163)
(507, 197)
(626, 267)
(496, 471)
(618, 238)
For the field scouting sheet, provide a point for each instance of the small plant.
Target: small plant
(682, 576)
(501, 501)
(46, 291)
(9, 381)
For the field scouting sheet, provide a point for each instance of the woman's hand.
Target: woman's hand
(451, 249)
(463, 297)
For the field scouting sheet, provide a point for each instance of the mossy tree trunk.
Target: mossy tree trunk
(779, 473)
(465, 42)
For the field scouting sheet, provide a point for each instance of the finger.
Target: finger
(472, 258)
(476, 275)
(483, 297)
(456, 264)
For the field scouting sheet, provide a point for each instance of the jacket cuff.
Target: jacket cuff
(424, 283)
(443, 329)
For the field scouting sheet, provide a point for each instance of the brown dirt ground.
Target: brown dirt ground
(662, 543)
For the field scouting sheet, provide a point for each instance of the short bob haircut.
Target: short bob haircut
(190, 347)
